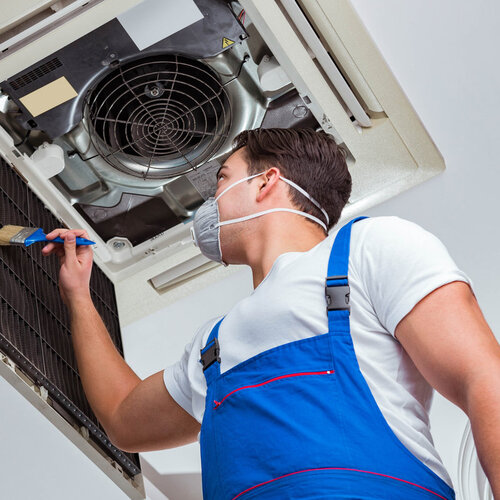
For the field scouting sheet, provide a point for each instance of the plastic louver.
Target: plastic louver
(315, 45)
(34, 323)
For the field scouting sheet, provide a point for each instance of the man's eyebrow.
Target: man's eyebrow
(217, 174)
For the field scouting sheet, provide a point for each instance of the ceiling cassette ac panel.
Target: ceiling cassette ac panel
(120, 123)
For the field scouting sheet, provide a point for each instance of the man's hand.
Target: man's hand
(453, 347)
(75, 261)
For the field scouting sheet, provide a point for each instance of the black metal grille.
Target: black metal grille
(34, 323)
(158, 116)
(35, 74)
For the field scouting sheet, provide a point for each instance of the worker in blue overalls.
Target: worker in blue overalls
(318, 384)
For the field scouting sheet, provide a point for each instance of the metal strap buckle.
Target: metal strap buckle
(337, 296)
(210, 355)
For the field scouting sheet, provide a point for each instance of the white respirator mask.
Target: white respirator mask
(206, 224)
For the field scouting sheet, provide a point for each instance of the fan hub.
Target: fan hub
(154, 90)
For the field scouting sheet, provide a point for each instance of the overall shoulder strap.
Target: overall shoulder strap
(337, 298)
(337, 283)
(209, 355)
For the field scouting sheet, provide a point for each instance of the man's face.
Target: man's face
(236, 199)
(237, 202)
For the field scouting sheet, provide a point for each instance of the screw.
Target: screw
(299, 111)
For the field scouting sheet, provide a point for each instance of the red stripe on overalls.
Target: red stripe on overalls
(339, 468)
(218, 403)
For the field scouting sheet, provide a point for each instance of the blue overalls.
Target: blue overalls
(299, 421)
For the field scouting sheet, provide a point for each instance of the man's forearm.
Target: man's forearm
(106, 377)
(483, 410)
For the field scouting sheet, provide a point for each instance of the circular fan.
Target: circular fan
(158, 116)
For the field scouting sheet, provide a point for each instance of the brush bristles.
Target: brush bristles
(7, 233)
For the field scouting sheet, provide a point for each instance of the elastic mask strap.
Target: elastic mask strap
(307, 195)
(297, 187)
(258, 214)
(238, 182)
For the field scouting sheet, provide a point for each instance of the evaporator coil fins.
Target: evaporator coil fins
(34, 323)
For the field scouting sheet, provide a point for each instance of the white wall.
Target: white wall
(444, 54)
(38, 462)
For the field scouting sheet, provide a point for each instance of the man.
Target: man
(303, 395)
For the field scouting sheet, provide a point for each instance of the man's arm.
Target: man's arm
(137, 415)
(453, 347)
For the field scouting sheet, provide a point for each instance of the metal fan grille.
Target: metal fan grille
(158, 116)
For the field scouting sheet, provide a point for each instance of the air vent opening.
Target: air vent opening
(35, 74)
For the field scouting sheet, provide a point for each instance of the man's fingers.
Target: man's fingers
(56, 232)
(60, 231)
(69, 247)
(57, 248)
(53, 248)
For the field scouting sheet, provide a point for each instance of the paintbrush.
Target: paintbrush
(19, 235)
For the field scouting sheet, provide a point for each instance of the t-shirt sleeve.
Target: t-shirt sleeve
(401, 264)
(177, 382)
(184, 379)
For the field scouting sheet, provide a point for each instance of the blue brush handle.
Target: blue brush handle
(39, 235)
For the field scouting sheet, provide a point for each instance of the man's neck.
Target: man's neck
(264, 253)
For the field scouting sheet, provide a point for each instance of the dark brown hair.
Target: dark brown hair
(310, 159)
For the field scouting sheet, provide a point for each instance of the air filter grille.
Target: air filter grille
(35, 74)
(34, 323)
(158, 116)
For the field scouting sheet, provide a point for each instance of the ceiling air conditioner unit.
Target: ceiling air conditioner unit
(119, 122)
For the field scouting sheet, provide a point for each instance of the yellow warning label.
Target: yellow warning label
(226, 42)
(49, 96)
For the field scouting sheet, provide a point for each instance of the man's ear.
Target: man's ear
(267, 182)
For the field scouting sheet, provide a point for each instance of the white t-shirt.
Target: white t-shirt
(393, 264)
